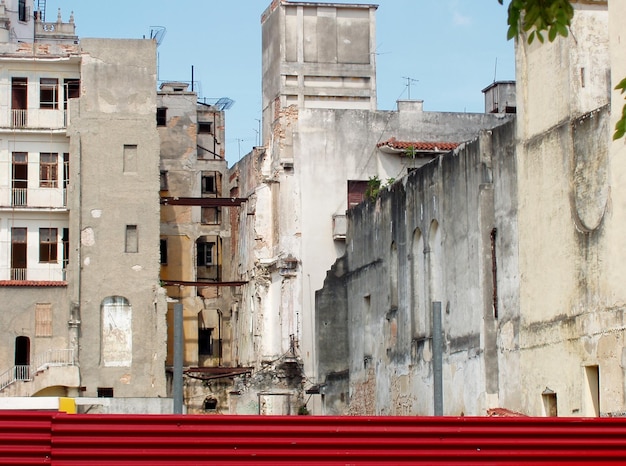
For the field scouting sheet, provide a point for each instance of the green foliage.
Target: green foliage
(374, 185)
(620, 126)
(410, 152)
(536, 17)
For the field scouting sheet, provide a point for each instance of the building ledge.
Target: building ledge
(32, 283)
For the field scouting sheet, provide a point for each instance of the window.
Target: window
(130, 158)
(205, 342)
(18, 253)
(72, 90)
(49, 93)
(132, 239)
(161, 116)
(47, 245)
(43, 320)
(22, 11)
(163, 179)
(48, 170)
(205, 254)
(356, 192)
(105, 392)
(210, 215)
(204, 127)
(209, 186)
(20, 179)
(163, 251)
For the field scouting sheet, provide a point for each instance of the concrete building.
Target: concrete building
(324, 141)
(195, 239)
(517, 236)
(83, 310)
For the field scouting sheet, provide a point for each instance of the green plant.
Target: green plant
(373, 187)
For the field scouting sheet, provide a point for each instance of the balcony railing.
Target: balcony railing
(19, 197)
(18, 274)
(50, 358)
(19, 118)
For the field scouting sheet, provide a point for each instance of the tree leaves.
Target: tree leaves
(535, 17)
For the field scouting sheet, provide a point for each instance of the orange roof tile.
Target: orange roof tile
(32, 283)
(438, 146)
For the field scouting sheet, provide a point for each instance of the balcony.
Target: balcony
(35, 118)
(19, 274)
(19, 197)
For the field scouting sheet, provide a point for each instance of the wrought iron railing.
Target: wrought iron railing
(50, 358)
(19, 118)
(18, 274)
(19, 197)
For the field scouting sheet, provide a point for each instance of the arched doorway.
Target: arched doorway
(22, 358)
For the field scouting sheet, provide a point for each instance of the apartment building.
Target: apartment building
(83, 310)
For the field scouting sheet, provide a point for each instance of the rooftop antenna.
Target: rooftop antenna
(495, 70)
(157, 33)
(408, 84)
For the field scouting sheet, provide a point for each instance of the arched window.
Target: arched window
(117, 334)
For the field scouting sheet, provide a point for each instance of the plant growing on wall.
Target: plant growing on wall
(374, 185)
(538, 17)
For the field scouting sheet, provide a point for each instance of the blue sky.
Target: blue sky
(450, 50)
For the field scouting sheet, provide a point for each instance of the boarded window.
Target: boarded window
(356, 192)
(132, 239)
(49, 93)
(211, 215)
(130, 158)
(43, 320)
(48, 245)
(117, 337)
(48, 170)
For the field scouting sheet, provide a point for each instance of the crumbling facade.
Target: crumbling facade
(323, 142)
(195, 239)
(84, 312)
(512, 241)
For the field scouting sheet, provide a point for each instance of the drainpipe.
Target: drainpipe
(437, 359)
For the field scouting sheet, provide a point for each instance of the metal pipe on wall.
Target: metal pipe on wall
(437, 359)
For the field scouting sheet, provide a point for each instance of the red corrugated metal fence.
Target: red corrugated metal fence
(155, 440)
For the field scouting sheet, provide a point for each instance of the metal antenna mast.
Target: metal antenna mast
(408, 84)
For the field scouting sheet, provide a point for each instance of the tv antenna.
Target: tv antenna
(157, 33)
(408, 84)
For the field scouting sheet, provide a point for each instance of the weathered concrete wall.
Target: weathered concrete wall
(427, 238)
(115, 178)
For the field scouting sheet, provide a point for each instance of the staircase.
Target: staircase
(43, 361)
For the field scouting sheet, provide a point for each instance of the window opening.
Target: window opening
(210, 404)
(105, 392)
(205, 127)
(132, 239)
(163, 180)
(356, 192)
(47, 245)
(22, 358)
(18, 253)
(49, 93)
(20, 179)
(22, 11)
(161, 116)
(48, 170)
(72, 90)
(163, 251)
(210, 215)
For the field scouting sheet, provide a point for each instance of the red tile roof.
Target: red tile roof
(32, 283)
(503, 412)
(420, 146)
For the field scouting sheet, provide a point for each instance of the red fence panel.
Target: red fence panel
(155, 440)
(137, 440)
(25, 437)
